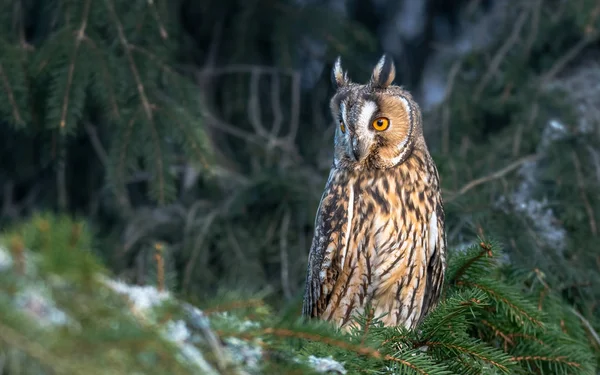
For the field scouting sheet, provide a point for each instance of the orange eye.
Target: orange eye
(342, 127)
(380, 124)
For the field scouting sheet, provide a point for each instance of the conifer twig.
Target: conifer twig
(559, 359)
(498, 332)
(492, 292)
(160, 266)
(486, 250)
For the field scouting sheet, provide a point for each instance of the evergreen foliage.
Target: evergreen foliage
(103, 70)
(60, 313)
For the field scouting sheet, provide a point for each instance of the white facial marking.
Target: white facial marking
(344, 114)
(366, 112)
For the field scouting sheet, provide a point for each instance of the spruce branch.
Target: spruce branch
(108, 79)
(361, 350)
(478, 351)
(519, 310)
(159, 172)
(134, 70)
(486, 251)
(498, 332)
(536, 358)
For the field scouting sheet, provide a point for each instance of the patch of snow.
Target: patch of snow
(178, 333)
(244, 353)
(36, 303)
(143, 297)
(235, 322)
(538, 211)
(326, 365)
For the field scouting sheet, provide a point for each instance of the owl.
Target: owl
(379, 239)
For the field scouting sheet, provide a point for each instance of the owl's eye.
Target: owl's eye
(381, 123)
(342, 127)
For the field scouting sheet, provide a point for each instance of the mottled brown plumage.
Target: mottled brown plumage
(379, 232)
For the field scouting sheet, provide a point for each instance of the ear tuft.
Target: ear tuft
(338, 76)
(384, 72)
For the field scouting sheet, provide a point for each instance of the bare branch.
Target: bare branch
(254, 106)
(96, 144)
(501, 54)
(276, 104)
(588, 326)
(161, 28)
(493, 176)
(562, 62)
(535, 25)
(198, 246)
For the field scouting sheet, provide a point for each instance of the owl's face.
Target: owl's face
(377, 122)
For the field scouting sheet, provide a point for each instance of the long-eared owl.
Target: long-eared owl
(379, 230)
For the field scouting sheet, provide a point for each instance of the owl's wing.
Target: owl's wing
(437, 260)
(323, 262)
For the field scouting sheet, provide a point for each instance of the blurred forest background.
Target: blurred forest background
(201, 127)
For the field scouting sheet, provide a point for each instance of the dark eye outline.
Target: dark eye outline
(384, 121)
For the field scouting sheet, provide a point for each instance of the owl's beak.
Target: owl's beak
(356, 149)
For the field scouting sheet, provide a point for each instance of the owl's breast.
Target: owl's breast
(398, 217)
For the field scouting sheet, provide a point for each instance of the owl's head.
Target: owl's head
(378, 124)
